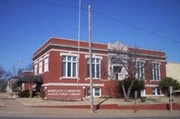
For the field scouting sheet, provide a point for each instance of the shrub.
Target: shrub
(168, 81)
(138, 85)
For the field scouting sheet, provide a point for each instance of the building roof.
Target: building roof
(83, 45)
(67, 43)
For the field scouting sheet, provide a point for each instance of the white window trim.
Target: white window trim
(36, 69)
(63, 77)
(94, 92)
(122, 74)
(93, 78)
(112, 70)
(46, 63)
(100, 59)
(94, 56)
(69, 53)
(136, 75)
(77, 63)
(151, 85)
(156, 90)
(159, 67)
(71, 63)
(143, 92)
(40, 66)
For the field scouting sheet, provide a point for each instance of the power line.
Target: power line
(55, 4)
(132, 25)
(109, 17)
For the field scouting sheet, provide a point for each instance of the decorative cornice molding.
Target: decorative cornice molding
(117, 46)
(71, 84)
(67, 46)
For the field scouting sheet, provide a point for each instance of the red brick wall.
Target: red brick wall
(55, 65)
(110, 89)
(148, 52)
(26, 86)
(163, 70)
(149, 90)
(55, 69)
(61, 41)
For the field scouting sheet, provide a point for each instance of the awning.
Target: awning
(31, 79)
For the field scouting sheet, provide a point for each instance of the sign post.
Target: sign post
(171, 100)
(135, 96)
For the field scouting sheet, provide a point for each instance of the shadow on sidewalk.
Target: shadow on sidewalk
(98, 105)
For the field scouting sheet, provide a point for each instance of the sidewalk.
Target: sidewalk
(153, 103)
(56, 112)
(15, 108)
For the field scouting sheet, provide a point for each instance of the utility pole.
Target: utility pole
(79, 34)
(90, 59)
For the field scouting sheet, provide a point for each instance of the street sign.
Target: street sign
(170, 89)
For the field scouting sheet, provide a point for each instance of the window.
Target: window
(35, 69)
(116, 70)
(139, 70)
(156, 91)
(69, 66)
(88, 92)
(40, 67)
(95, 68)
(46, 64)
(155, 71)
(143, 93)
(96, 92)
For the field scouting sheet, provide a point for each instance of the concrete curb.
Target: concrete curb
(116, 107)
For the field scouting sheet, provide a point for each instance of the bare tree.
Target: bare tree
(2, 72)
(4, 75)
(14, 70)
(29, 66)
(122, 65)
(132, 65)
(124, 69)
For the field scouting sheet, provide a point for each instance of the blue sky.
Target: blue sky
(27, 24)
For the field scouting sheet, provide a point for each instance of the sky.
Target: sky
(26, 24)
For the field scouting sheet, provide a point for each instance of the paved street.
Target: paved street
(14, 109)
(90, 117)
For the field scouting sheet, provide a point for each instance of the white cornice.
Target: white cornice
(36, 53)
(71, 84)
(151, 85)
(68, 46)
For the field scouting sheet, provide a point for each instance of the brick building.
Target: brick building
(172, 70)
(64, 68)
